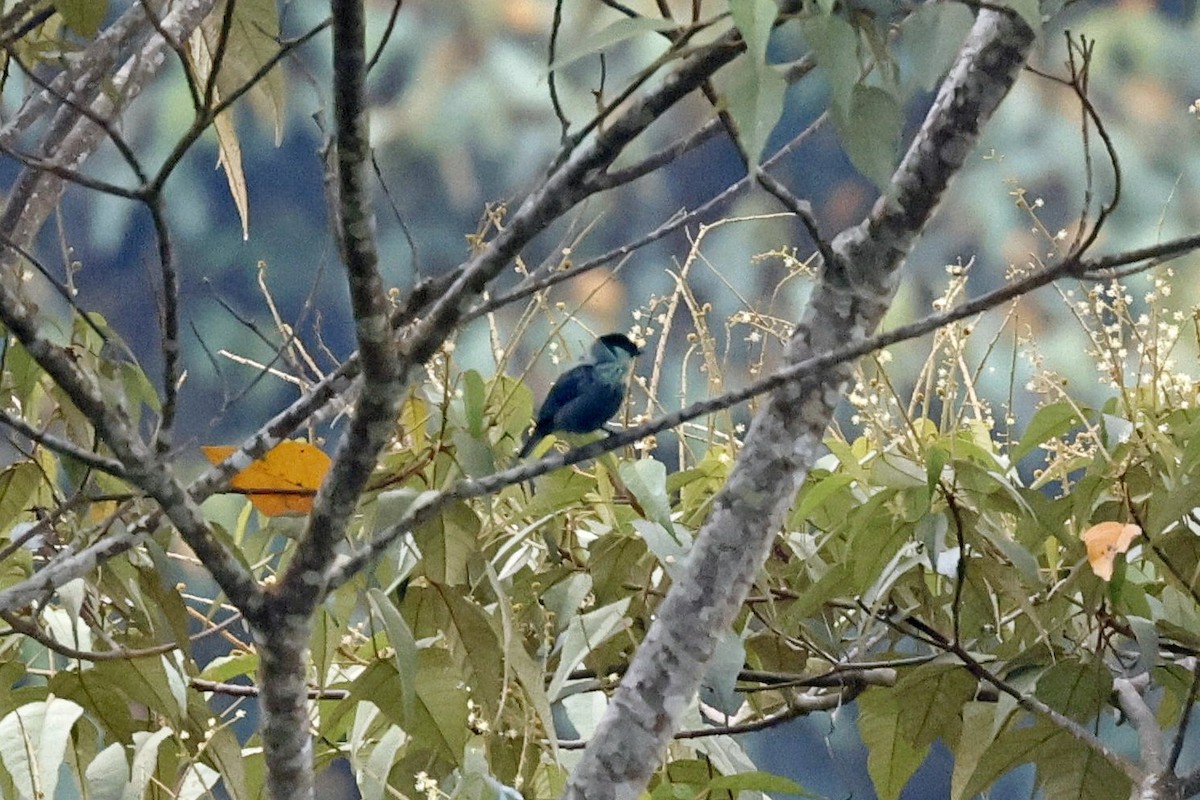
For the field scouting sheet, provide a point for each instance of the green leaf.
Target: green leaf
(224, 754)
(17, 485)
(584, 633)
(1024, 561)
(754, 20)
(1030, 11)
(932, 36)
(897, 472)
(754, 97)
(885, 537)
(1012, 748)
(611, 35)
(756, 90)
(403, 644)
(1068, 768)
(381, 754)
(1147, 642)
(440, 712)
(615, 560)
(1168, 506)
(476, 779)
(930, 699)
(930, 531)
(474, 402)
(144, 681)
(892, 758)
(82, 16)
(528, 672)
(564, 598)
(935, 462)
(447, 542)
(834, 45)
(870, 132)
(253, 41)
(974, 740)
(718, 688)
(145, 759)
(107, 774)
(225, 668)
(817, 492)
(473, 643)
(765, 782)
(1079, 690)
(647, 479)
(33, 744)
(666, 548)
(1049, 422)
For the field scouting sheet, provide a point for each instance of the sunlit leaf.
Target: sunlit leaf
(282, 482)
(975, 737)
(1105, 541)
(253, 41)
(229, 159)
(33, 742)
(647, 479)
(145, 759)
(108, 773)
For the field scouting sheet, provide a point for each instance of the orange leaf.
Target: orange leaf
(283, 482)
(1104, 540)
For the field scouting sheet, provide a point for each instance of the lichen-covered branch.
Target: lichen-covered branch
(785, 436)
(283, 628)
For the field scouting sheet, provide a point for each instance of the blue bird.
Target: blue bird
(587, 395)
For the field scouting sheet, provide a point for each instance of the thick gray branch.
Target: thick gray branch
(282, 631)
(786, 435)
(73, 136)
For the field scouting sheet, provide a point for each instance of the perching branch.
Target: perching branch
(347, 566)
(786, 435)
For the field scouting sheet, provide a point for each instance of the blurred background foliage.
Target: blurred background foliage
(463, 122)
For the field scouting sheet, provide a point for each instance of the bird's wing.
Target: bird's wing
(593, 405)
(575, 381)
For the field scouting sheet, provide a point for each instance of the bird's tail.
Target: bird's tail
(531, 439)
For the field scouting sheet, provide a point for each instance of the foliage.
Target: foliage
(926, 569)
(477, 654)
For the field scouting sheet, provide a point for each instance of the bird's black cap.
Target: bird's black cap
(614, 341)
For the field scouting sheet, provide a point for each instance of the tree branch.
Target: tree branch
(785, 436)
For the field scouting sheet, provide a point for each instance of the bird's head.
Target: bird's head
(615, 347)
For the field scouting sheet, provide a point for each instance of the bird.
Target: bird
(587, 395)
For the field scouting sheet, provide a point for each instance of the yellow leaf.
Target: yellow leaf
(1104, 541)
(283, 482)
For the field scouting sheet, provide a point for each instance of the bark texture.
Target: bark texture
(785, 437)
